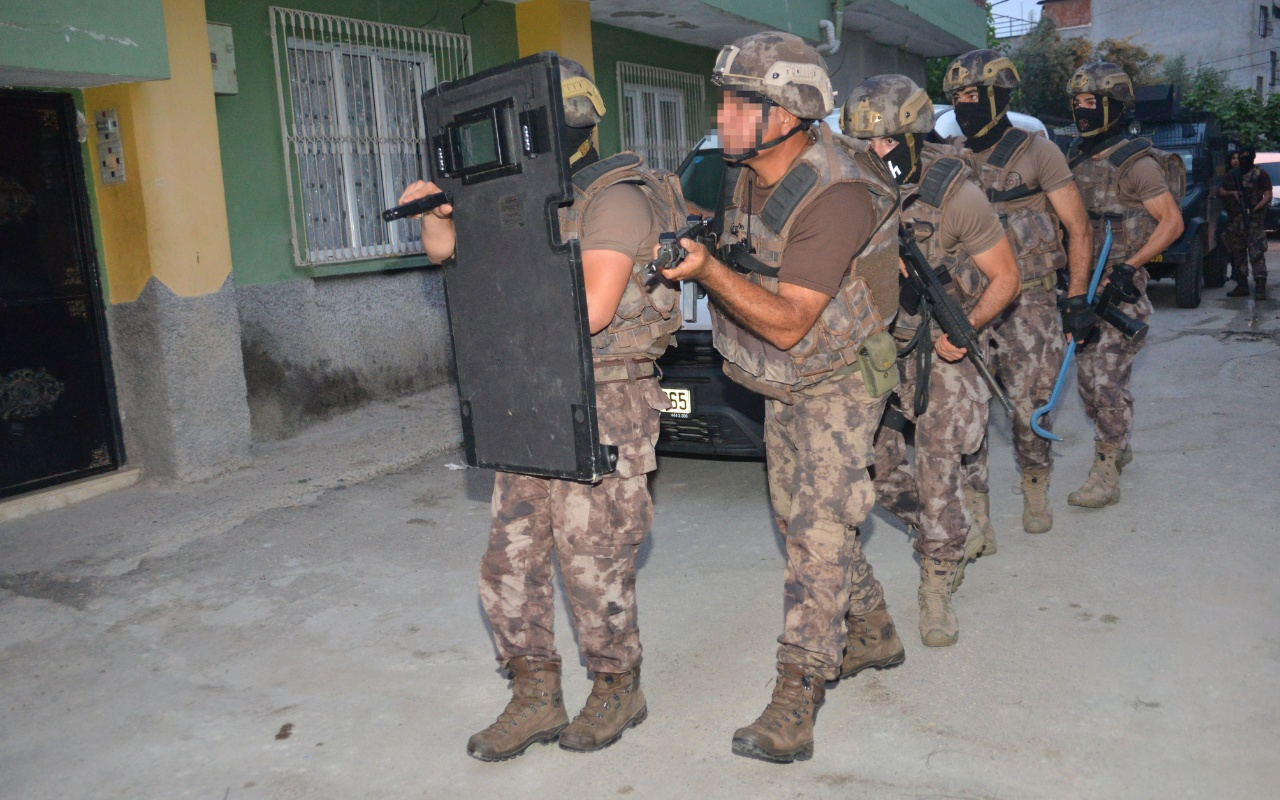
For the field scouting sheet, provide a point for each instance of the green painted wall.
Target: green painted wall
(249, 122)
(794, 16)
(961, 18)
(83, 42)
(612, 45)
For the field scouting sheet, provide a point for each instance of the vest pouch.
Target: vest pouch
(1036, 242)
(878, 361)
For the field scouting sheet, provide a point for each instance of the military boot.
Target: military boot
(535, 713)
(784, 732)
(1260, 289)
(1036, 514)
(938, 625)
(873, 642)
(1241, 290)
(979, 505)
(1124, 458)
(1102, 487)
(615, 704)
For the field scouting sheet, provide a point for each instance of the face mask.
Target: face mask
(903, 160)
(576, 141)
(973, 117)
(1246, 162)
(1090, 121)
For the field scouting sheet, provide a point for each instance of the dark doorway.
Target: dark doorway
(57, 409)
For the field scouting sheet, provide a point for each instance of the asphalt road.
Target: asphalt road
(196, 642)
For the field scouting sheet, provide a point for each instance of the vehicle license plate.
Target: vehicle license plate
(1157, 259)
(681, 402)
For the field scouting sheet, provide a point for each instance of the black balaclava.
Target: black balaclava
(1093, 122)
(1247, 156)
(984, 122)
(574, 139)
(903, 160)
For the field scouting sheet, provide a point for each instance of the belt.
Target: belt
(1048, 283)
(618, 370)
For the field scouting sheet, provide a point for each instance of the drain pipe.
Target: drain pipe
(833, 30)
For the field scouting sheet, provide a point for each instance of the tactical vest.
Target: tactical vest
(647, 315)
(943, 172)
(1099, 176)
(868, 293)
(1023, 207)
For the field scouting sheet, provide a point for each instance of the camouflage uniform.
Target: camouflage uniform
(1246, 236)
(931, 497)
(594, 528)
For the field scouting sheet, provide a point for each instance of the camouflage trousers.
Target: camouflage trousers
(1104, 369)
(1248, 247)
(930, 498)
(818, 451)
(1027, 347)
(595, 531)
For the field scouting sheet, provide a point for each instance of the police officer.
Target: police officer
(1247, 191)
(1127, 185)
(619, 209)
(811, 280)
(960, 235)
(1028, 181)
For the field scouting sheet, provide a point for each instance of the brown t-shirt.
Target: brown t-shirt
(969, 222)
(825, 236)
(619, 219)
(1040, 164)
(1144, 180)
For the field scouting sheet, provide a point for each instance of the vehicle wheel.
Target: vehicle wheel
(1190, 276)
(1215, 268)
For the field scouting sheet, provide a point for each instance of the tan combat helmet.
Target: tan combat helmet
(980, 68)
(780, 67)
(583, 106)
(886, 105)
(1110, 84)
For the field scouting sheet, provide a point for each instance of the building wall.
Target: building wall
(317, 341)
(78, 43)
(1068, 13)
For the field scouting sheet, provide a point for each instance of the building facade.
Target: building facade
(228, 160)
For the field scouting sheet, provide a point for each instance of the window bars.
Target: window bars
(350, 96)
(663, 113)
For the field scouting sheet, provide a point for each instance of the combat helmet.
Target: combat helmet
(980, 68)
(583, 106)
(886, 105)
(1103, 79)
(780, 67)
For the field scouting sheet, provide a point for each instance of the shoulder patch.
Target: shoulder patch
(590, 174)
(1008, 147)
(938, 179)
(786, 198)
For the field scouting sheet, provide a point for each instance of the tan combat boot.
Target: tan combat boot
(979, 505)
(1036, 516)
(873, 642)
(938, 626)
(1123, 458)
(615, 704)
(1102, 487)
(535, 713)
(784, 732)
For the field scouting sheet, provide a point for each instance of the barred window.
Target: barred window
(350, 95)
(663, 113)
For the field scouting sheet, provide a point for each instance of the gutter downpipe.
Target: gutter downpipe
(833, 30)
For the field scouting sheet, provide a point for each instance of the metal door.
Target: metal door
(57, 411)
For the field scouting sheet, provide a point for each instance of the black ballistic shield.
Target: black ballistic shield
(517, 305)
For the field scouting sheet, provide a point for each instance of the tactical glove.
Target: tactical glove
(1122, 279)
(1079, 320)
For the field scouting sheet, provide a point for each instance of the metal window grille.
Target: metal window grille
(350, 95)
(1275, 69)
(663, 113)
(1264, 22)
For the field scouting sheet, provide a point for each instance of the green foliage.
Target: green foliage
(935, 69)
(1045, 62)
(1142, 66)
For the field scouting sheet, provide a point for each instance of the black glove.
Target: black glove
(1122, 278)
(1079, 320)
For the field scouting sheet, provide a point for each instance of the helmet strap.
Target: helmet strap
(760, 146)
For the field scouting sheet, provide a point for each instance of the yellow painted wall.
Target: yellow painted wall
(169, 218)
(560, 25)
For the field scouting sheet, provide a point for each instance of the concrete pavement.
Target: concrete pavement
(309, 627)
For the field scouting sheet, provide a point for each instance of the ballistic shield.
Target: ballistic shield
(517, 306)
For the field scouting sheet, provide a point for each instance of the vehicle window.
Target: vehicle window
(1273, 169)
(701, 179)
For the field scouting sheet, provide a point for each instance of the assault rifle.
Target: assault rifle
(929, 297)
(670, 253)
(415, 207)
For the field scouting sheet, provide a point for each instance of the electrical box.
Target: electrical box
(110, 150)
(222, 55)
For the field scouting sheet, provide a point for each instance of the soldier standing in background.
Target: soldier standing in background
(1247, 190)
(1028, 181)
(619, 209)
(810, 237)
(960, 235)
(1127, 185)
